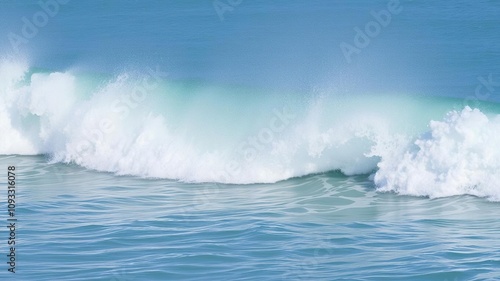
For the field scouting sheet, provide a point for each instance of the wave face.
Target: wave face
(140, 124)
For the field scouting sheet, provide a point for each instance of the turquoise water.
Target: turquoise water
(173, 140)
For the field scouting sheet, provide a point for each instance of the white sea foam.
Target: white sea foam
(460, 155)
(15, 138)
(201, 138)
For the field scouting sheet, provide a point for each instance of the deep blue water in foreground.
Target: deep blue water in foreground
(76, 224)
(241, 140)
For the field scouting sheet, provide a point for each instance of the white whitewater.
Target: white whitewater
(221, 141)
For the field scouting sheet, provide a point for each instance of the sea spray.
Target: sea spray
(189, 132)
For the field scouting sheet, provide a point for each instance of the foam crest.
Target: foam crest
(14, 139)
(459, 155)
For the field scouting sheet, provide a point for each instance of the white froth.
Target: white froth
(459, 155)
(106, 130)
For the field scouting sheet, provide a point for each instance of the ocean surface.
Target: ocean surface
(251, 140)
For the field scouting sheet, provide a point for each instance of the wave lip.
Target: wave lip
(460, 155)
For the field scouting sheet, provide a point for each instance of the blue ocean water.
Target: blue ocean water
(251, 140)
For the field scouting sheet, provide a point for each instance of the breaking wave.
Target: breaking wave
(139, 123)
